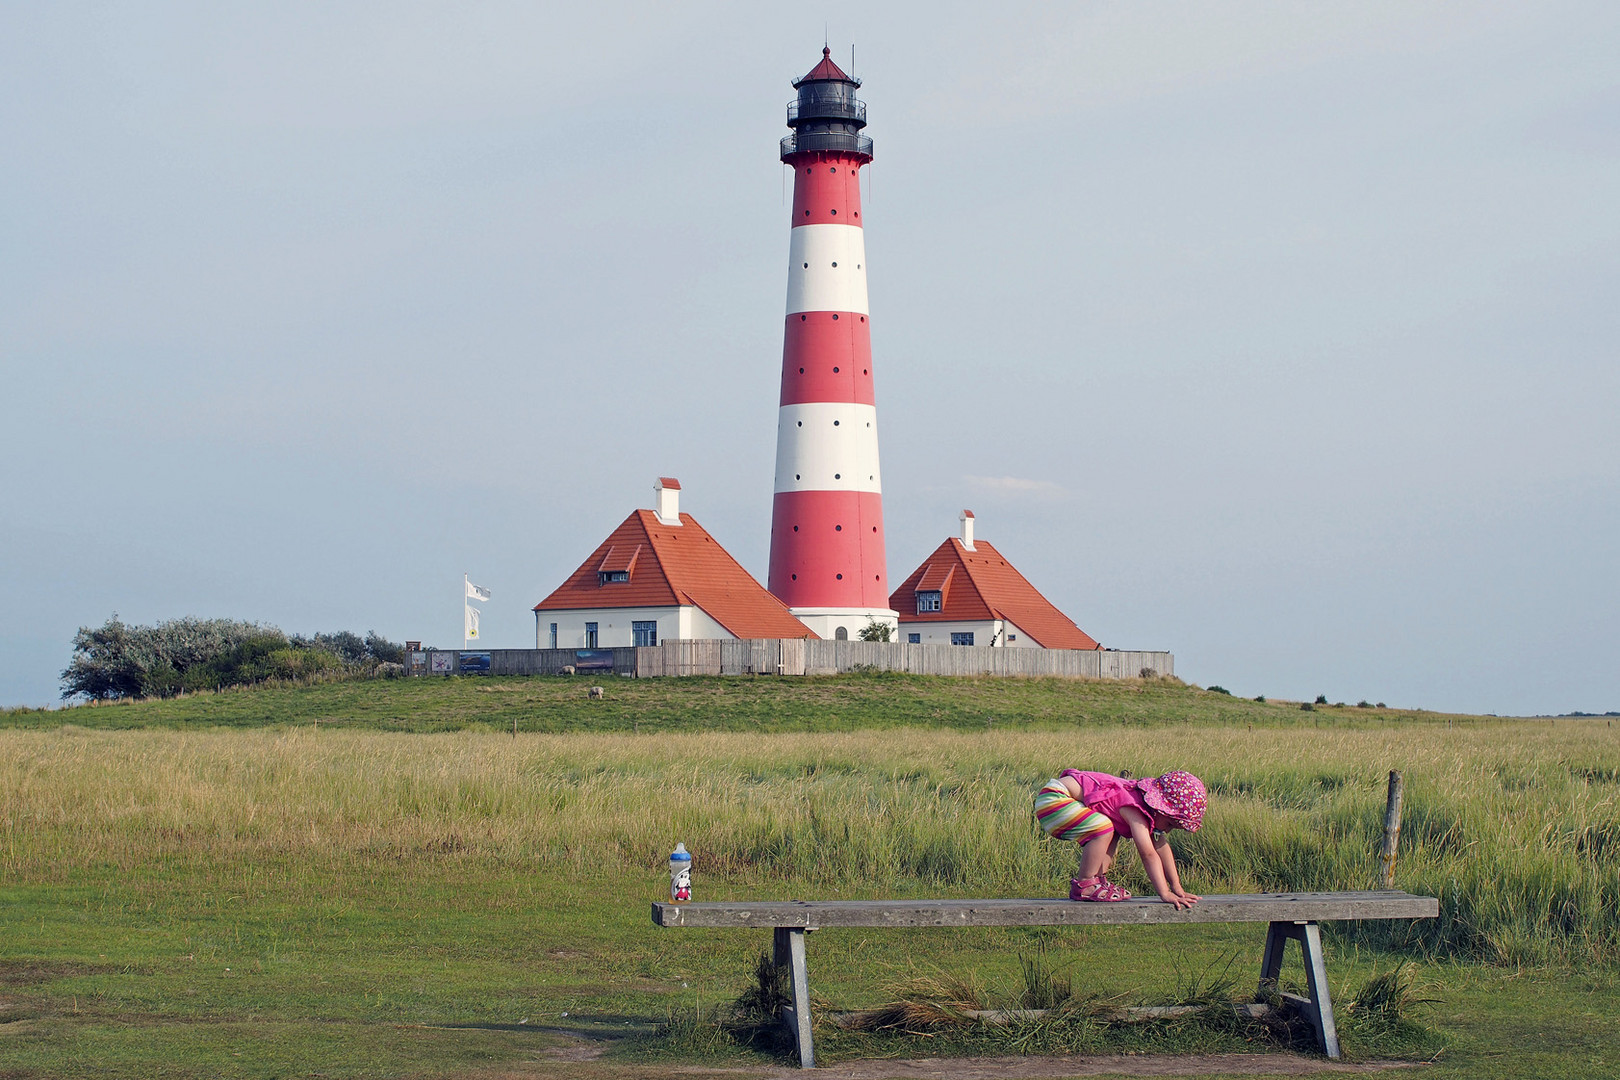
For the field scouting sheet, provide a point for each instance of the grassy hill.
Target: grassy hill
(271, 882)
(836, 703)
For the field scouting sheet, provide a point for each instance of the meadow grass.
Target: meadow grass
(281, 898)
(1515, 826)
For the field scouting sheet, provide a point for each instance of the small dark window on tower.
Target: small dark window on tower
(807, 213)
(838, 528)
(833, 169)
(835, 266)
(838, 476)
(840, 577)
(795, 528)
(835, 371)
(807, 266)
(796, 476)
(803, 317)
(928, 601)
(835, 213)
(801, 371)
(835, 316)
(795, 577)
(801, 423)
(835, 423)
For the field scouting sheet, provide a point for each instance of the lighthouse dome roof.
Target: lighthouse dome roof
(826, 71)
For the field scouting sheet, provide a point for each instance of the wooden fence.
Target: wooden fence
(796, 656)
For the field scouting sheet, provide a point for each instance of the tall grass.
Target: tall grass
(1515, 826)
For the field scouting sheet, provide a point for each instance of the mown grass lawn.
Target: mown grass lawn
(198, 899)
(843, 703)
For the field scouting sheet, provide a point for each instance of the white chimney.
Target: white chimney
(967, 529)
(667, 500)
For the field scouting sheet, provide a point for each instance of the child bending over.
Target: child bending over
(1094, 809)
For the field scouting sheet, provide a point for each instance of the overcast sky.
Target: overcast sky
(1279, 335)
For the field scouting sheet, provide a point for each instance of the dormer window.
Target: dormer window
(617, 566)
(928, 600)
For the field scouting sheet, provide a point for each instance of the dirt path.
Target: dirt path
(1059, 1068)
(576, 1062)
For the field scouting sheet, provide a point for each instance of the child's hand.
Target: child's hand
(1179, 901)
(1191, 897)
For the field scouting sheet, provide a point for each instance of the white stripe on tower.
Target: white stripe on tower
(827, 269)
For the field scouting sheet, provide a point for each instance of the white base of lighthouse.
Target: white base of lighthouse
(826, 622)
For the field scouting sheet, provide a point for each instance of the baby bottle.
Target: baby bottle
(680, 874)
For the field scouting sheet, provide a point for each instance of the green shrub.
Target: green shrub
(117, 660)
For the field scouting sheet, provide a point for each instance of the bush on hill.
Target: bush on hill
(116, 660)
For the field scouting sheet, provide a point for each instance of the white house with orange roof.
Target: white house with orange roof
(967, 593)
(659, 576)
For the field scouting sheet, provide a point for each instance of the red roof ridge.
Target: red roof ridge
(681, 596)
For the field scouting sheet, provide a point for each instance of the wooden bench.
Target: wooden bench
(1292, 916)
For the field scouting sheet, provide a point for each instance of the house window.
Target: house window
(914, 639)
(962, 639)
(1012, 637)
(590, 635)
(644, 633)
(553, 635)
(928, 601)
(841, 634)
(609, 577)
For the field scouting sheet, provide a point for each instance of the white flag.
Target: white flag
(476, 592)
(472, 622)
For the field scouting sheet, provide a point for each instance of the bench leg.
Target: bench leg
(1319, 1006)
(787, 947)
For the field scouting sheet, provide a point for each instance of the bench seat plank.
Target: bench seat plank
(1243, 907)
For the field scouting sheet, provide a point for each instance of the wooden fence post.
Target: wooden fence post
(1392, 828)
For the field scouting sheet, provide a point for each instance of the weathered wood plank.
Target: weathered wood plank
(1245, 907)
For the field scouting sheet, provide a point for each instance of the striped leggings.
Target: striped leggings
(1064, 817)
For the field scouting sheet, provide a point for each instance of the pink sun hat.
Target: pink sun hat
(1179, 796)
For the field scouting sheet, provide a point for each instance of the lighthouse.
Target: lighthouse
(827, 560)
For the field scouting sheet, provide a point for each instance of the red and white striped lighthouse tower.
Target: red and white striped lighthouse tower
(827, 560)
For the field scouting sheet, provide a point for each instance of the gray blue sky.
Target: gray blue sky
(1280, 335)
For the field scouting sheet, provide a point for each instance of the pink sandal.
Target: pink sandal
(1098, 889)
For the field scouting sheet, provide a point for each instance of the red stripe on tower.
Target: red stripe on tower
(827, 560)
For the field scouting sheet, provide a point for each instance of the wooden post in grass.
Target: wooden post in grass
(1392, 828)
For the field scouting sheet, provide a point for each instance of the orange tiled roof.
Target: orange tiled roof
(983, 585)
(675, 566)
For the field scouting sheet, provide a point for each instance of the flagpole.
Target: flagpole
(465, 640)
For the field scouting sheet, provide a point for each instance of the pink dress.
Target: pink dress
(1108, 795)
